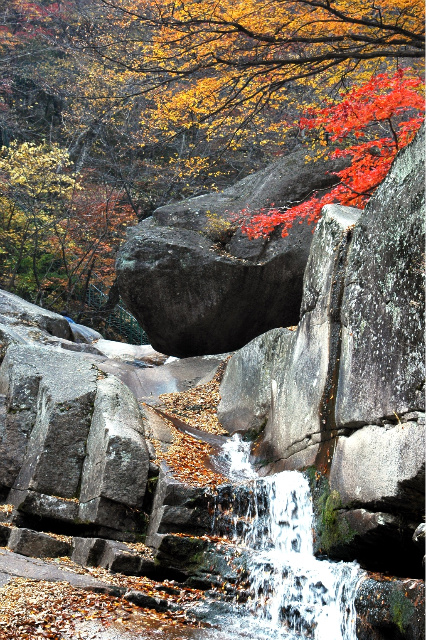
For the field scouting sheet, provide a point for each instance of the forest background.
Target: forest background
(109, 109)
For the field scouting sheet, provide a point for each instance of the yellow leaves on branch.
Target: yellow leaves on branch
(39, 170)
(229, 72)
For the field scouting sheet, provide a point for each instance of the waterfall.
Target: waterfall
(293, 595)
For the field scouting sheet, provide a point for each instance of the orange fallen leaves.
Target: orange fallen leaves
(187, 456)
(198, 406)
(31, 609)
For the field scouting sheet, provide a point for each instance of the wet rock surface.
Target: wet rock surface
(371, 539)
(180, 375)
(390, 609)
(130, 353)
(15, 311)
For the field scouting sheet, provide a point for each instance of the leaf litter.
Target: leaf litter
(33, 609)
(188, 456)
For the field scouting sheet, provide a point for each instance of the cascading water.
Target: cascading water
(293, 594)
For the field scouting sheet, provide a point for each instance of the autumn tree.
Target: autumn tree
(223, 66)
(368, 126)
(157, 101)
(55, 226)
(35, 189)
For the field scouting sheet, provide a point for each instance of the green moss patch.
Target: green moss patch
(331, 527)
(401, 608)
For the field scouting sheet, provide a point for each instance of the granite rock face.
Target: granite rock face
(382, 356)
(380, 467)
(390, 462)
(301, 415)
(72, 441)
(117, 459)
(177, 508)
(245, 390)
(197, 291)
(347, 392)
(303, 373)
(378, 476)
(356, 358)
(54, 443)
(37, 545)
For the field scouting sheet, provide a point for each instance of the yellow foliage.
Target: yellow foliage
(232, 71)
(37, 170)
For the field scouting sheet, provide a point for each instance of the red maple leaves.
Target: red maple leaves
(370, 125)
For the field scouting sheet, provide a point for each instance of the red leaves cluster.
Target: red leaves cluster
(372, 123)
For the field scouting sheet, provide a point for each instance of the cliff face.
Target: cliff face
(344, 393)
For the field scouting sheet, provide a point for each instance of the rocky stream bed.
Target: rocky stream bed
(273, 492)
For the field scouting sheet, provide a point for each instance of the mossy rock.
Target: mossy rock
(331, 528)
(184, 553)
(390, 608)
(401, 609)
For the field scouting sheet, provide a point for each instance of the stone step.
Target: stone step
(36, 544)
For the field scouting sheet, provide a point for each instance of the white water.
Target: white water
(293, 595)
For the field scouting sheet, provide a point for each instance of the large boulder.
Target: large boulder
(198, 286)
